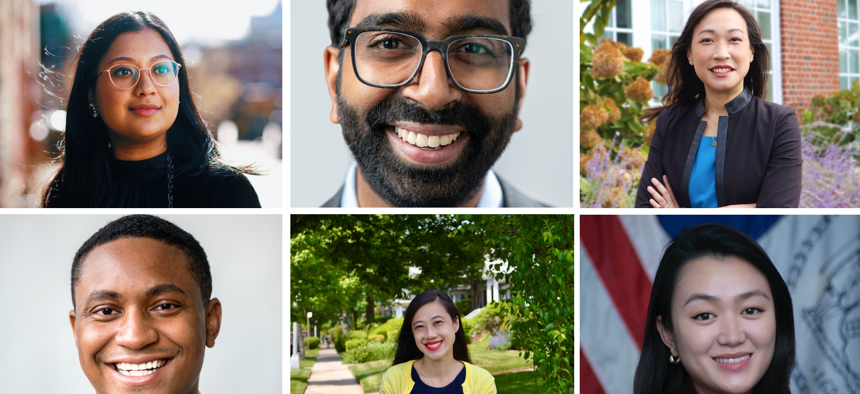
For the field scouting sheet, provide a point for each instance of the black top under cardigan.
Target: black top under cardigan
(758, 153)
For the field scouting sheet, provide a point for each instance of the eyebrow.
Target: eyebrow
(421, 321)
(398, 20)
(713, 32)
(740, 297)
(132, 60)
(152, 292)
(412, 22)
(164, 288)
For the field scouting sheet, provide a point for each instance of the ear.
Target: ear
(457, 324)
(523, 81)
(213, 321)
(689, 54)
(332, 67)
(666, 335)
(72, 319)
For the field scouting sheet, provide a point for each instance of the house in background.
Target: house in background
(814, 44)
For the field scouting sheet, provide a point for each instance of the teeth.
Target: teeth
(140, 369)
(426, 141)
(732, 360)
(721, 70)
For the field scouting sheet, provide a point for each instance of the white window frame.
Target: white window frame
(849, 74)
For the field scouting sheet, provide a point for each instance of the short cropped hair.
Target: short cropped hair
(152, 227)
(339, 12)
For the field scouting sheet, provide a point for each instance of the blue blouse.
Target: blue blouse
(455, 387)
(703, 188)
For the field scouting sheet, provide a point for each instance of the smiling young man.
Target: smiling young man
(427, 95)
(143, 313)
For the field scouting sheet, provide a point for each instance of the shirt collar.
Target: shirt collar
(491, 196)
(738, 103)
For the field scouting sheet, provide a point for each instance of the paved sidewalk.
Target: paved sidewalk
(330, 376)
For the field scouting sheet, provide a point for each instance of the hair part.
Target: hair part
(152, 227)
(85, 155)
(407, 350)
(685, 86)
(654, 373)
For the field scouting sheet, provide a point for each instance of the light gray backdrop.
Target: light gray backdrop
(39, 353)
(538, 161)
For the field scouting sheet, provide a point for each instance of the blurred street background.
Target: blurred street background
(232, 51)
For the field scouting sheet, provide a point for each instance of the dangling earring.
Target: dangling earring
(674, 359)
(95, 110)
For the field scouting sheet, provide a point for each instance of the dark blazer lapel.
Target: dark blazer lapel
(720, 163)
(684, 193)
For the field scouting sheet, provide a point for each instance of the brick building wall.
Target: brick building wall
(809, 31)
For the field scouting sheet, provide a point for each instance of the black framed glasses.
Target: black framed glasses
(125, 76)
(391, 58)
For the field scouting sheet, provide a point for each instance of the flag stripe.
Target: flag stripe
(588, 383)
(616, 262)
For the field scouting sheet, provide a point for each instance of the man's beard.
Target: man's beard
(405, 184)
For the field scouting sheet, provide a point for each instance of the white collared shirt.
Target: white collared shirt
(491, 196)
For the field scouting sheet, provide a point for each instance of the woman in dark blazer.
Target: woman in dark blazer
(715, 136)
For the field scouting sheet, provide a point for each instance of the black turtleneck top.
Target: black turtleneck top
(144, 184)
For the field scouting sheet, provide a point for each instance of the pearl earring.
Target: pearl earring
(95, 110)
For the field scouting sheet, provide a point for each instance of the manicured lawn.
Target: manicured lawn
(519, 383)
(370, 374)
(299, 377)
(299, 380)
(498, 361)
(310, 358)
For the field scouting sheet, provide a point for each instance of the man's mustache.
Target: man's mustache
(399, 109)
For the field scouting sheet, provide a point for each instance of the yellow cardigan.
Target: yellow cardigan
(398, 380)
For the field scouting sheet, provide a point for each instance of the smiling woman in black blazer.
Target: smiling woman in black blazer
(715, 136)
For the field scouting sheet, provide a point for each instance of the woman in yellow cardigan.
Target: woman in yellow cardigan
(431, 355)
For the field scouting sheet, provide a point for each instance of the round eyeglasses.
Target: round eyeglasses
(391, 58)
(125, 76)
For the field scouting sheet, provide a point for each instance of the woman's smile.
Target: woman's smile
(433, 346)
(145, 109)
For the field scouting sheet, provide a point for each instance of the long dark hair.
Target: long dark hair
(654, 374)
(407, 350)
(84, 154)
(685, 86)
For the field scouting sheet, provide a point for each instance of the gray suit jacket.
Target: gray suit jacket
(511, 197)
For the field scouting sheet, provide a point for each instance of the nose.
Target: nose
(136, 330)
(432, 87)
(145, 85)
(732, 333)
(721, 51)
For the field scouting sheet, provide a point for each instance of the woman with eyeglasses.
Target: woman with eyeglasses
(134, 137)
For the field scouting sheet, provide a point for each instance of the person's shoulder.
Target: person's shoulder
(481, 380)
(511, 197)
(395, 376)
(774, 108)
(226, 188)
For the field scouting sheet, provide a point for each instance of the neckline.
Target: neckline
(417, 377)
(736, 104)
(153, 166)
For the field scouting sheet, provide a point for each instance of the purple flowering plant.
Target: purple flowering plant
(831, 177)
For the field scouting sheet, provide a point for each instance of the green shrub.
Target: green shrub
(312, 343)
(391, 324)
(336, 333)
(392, 335)
(354, 343)
(376, 338)
(356, 334)
(355, 355)
(464, 306)
(380, 351)
(469, 328)
(363, 354)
